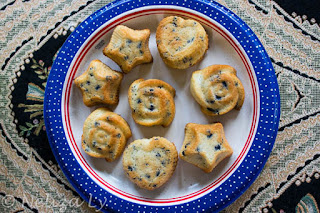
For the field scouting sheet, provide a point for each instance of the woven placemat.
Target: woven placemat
(31, 33)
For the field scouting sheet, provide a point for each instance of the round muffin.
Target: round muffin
(152, 102)
(149, 163)
(105, 134)
(217, 89)
(181, 43)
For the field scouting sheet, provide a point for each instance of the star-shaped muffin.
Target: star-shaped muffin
(99, 84)
(128, 47)
(205, 146)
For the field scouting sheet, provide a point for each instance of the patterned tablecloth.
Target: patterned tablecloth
(31, 33)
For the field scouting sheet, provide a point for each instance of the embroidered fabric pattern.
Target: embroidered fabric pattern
(32, 32)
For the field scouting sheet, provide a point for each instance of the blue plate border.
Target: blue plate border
(232, 187)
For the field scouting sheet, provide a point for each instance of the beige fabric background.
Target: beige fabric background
(28, 184)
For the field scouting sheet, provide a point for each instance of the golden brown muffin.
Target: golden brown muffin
(205, 146)
(149, 163)
(99, 84)
(105, 134)
(181, 43)
(128, 47)
(217, 89)
(152, 102)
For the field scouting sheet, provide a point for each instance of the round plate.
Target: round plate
(250, 132)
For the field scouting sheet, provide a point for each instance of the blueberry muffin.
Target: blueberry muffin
(217, 89)
(99, 84)
(181, 43)
(105, 134)
(205, 146)
(128, 47)
(152, 102)
(149, 163)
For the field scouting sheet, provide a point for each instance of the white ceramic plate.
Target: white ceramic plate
(250, 132)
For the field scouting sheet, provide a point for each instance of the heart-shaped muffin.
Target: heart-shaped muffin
(150, 163)
(181, 43)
